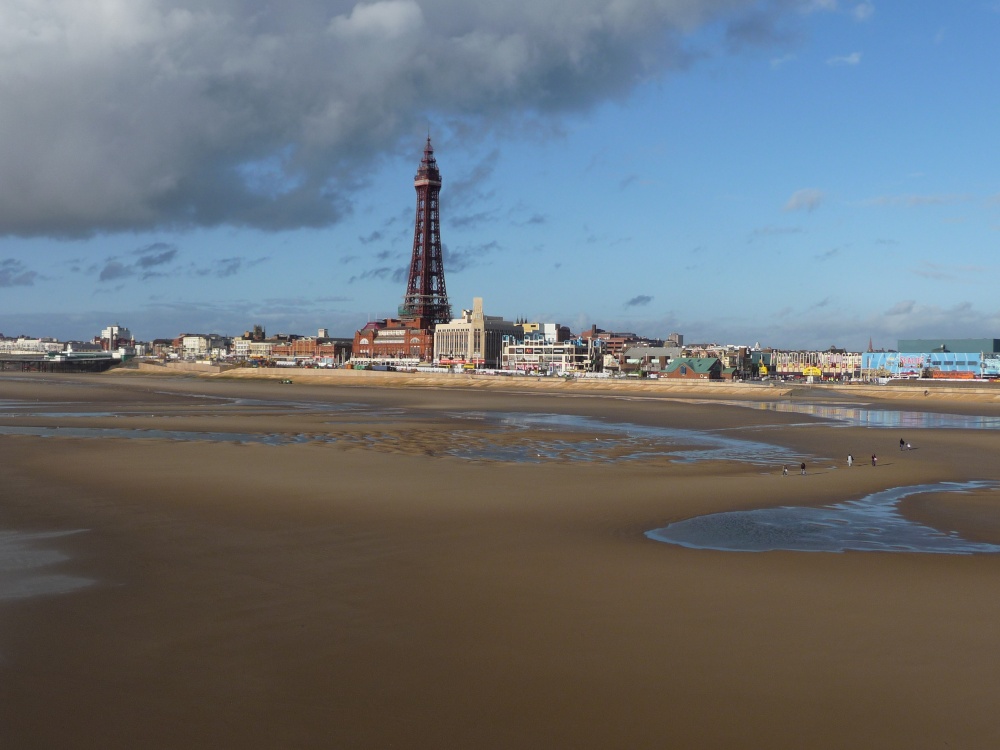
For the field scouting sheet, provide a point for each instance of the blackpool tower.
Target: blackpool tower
(426, 298)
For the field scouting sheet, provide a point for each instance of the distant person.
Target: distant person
(850, 460)
(784, 470)
(803, 467)
(874, 460)
(902, 444)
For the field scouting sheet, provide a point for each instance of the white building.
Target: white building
(115, 334)
(23, 345)
(202, 346)
(473, 339)
(550, 357)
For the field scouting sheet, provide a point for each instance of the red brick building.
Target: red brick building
(394, 339)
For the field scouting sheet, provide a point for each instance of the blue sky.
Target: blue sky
(799, 174)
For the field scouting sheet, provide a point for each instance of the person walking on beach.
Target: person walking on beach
(784, 470)
(874, 460)
(902, 444)
(850, 460)
(803, 467)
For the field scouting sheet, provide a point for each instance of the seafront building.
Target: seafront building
(694, 368)
(830, 364)
(203, 346)
(948, 359)
(25, 345)
(474, 339)
(321, 350)
(395, 342)
(648, 360)
(571, 357)
(115, 337)
(936, 365)
(614, 343)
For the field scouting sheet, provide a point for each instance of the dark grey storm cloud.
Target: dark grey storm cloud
(225, 267)
(156, 254)
(374, 273)
(148, 260)
(228, 267)
(114, 270)
(14, 273)
(146, 114)
(639, 300)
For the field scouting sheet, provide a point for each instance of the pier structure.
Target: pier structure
(58, 363)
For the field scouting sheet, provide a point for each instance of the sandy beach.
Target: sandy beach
(382, 562)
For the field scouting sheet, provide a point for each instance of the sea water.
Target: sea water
(871, 524)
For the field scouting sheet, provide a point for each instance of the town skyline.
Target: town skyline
(801, 174)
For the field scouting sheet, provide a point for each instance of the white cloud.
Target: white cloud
(917, 201)
(863, 11)
(814, 6)
(385, 20)
(807, 199)
(942, 272)
(852, 59)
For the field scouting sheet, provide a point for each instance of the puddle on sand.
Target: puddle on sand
(20, 561)
(872, 524)
(862, 416)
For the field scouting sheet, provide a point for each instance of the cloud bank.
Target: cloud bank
(131, 115)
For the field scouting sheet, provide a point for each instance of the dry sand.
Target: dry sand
(375, 592)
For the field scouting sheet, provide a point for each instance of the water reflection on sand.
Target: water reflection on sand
(859, 415)
(605, 441)
(871, 524)
(524, 439)
(23, 558)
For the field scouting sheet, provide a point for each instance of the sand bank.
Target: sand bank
(372, 590)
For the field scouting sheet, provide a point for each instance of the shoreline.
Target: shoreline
(922, 392)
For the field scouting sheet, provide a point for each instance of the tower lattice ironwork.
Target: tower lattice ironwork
(426, 297)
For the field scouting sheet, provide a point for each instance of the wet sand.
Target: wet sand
(360, 587)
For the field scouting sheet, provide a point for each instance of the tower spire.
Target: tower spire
(426, 297)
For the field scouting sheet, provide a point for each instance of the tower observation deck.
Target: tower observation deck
(426, 298)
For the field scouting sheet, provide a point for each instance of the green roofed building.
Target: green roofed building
(694, 368)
